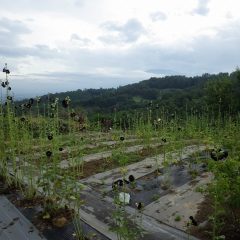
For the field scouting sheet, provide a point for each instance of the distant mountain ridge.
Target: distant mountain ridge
(136, 95)
(174, 93)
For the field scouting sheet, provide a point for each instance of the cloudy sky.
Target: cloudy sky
(60, 45)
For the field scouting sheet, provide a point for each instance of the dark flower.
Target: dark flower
(9, 88)
(63, 128)
(179, 129)
(116, 184)
(60, 149)
(139, 205)
(6, 70)
(72, 114)
(22, 119)
(64, 103)
(131, 178)
(164, 139)
(6, 83)
(219, 154)
(122, 138)
(3, 84)
(50, 136)
(48, 153)
(9, 98)
(120, 182)
(193, 221)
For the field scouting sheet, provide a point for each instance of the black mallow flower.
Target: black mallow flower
(9, 98)
(6, 70)
(117, 183)
(22, 119)
(50, 136)
(60, 149)
(65, 102)
(219, 154)
(193, 221)
(72, 114)
(3, 84)
(48, 153)
(9, 88)
(131, 178)
(164, 140)
(139, 205)
(122, 138)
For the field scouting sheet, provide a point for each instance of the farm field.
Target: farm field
(157, 176)
(172, 170)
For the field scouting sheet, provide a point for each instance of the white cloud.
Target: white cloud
(202, 7)
(127, 32)
(158, 16)
(108, 43)
(80, 41)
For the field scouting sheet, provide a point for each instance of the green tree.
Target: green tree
(219, 93)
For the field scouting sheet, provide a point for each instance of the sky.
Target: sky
(63, 45)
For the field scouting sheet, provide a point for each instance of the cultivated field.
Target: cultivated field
(161, 176)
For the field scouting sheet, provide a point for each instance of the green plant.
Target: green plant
(155, 197)
(178, 218)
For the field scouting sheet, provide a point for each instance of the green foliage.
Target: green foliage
(219, 93)
(178, 218)
(227, 182)
(125, 228)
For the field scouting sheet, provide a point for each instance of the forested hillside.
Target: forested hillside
(173, 93)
